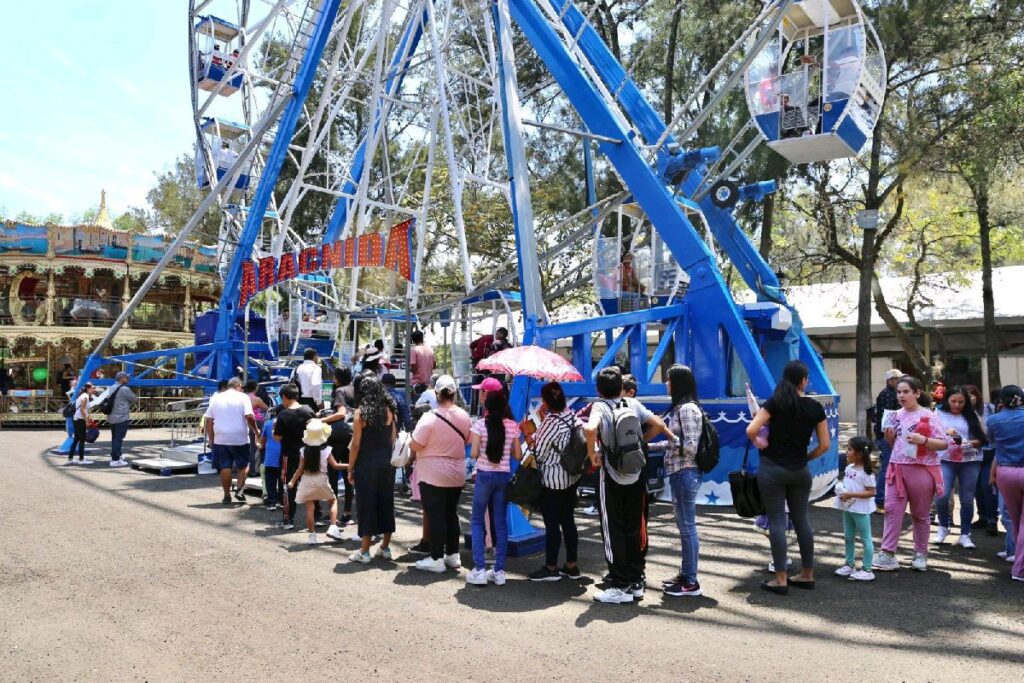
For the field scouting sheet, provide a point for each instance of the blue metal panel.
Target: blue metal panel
(769, 124)
(706, 284)
(275, 159)
(830, 114)
(392, 85)
(852, 135)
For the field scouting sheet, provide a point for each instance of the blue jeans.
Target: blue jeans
(967, 473)
(489, 492)
(684, 485)
(884, 451)
(1011, 533)
(117, 434)
(985, 494)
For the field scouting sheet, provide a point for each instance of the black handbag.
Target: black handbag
(525, 487)
(746, 496)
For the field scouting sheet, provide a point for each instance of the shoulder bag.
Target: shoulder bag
(746, 496)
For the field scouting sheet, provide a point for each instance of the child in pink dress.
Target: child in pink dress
(913, 476)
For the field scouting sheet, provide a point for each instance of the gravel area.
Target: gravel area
(115, 574)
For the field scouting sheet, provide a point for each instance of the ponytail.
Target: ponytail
(496, 404)
(787, 391)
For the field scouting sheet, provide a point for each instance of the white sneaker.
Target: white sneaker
(84, 462)
(383, 553)
(771, 564)
(920, 562)
(885, 562)
(966, 542)
(312, 540)
(453, 561)
(845, 570)
(940, 535)
(1011, 559)
(862, 575)
(428, 564)
(1017, 578)
(118, 463)
(360, 557)
(615, 596)
(334, 532)
(496, 577)
(590, 511)
(1001, 555)
(477, 576)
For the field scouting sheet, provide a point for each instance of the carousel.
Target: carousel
(64, 285)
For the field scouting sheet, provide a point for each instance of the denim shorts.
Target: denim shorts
(230, 457)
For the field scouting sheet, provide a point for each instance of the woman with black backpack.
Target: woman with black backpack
(686, 420)
(558, 497)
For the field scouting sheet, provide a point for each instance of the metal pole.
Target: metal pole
(245, 348)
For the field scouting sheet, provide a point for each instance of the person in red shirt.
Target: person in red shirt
(421, 360)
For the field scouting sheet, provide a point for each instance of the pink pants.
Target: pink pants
(1010, 482)
(919, 490)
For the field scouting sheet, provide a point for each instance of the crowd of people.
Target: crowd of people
(311, 454)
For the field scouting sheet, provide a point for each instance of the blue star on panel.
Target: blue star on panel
(712, 498)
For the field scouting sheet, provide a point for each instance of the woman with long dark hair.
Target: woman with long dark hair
(783, 476)
(913, 477)
(685, 419)
(494, 441)
(374, 428)
(961, 461)
(558, 495)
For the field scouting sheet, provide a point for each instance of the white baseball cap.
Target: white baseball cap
(893, 374)
(446, 382)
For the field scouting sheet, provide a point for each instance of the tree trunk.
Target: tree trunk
(863, 357)
(987, 295)
(922, 365)
(767, 222)
(670, 65)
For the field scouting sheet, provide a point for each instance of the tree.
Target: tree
(176, 197)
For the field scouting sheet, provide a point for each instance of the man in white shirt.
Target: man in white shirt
(310, 378)
(229, 421)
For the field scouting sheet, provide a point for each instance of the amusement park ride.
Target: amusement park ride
(370, 103)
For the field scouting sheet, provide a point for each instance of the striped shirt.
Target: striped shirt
(548, 444)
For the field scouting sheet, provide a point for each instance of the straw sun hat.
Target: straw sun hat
(316, 433)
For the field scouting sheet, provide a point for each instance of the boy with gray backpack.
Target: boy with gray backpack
(617, 433)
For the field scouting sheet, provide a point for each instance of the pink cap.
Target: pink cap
(489, 384)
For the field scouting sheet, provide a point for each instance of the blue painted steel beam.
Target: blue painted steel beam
(275, 159)
(659, 352)
(392, 86)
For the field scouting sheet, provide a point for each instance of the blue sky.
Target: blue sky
(95, 95)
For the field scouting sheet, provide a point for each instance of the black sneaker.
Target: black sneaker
(637, 589)
(992, 530)
(544, 574)
(226, 500)
(346, 520)
(678, 578)
(683, 589)
(240, 496)
(568, 572)
(421, 548)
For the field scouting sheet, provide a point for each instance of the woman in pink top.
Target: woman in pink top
(913, 475)
(495, 440)
(439, 444)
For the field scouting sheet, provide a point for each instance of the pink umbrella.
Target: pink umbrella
(531, 361)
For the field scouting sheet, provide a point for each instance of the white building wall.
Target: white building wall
(842, 372)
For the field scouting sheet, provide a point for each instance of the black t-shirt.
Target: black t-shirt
(344, 396)
(341, 437)
(789, 432)
(290, 425)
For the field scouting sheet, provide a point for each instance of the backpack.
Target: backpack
(626, 456)
(574, 456)
(107, 405)
(707, 448)
(68, 410)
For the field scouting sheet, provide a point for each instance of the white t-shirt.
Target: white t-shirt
(80, 403)
(228, 410)
(428, 397)
(310, 378)
(856, 480)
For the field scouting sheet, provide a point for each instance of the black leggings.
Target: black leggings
(339, 478)
(441, 505)
(781, 487)
(79, 440)
(557, 507)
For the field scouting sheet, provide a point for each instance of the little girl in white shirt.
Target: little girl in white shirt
(855, 496)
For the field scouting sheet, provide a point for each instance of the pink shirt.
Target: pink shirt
(511, 435)
(904, 422)
(421, 357)
(441, 460)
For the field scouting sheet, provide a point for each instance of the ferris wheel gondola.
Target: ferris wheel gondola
(816, 91)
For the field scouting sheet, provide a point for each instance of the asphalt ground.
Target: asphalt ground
(115, 574)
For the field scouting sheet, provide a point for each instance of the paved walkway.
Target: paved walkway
(113, 574)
